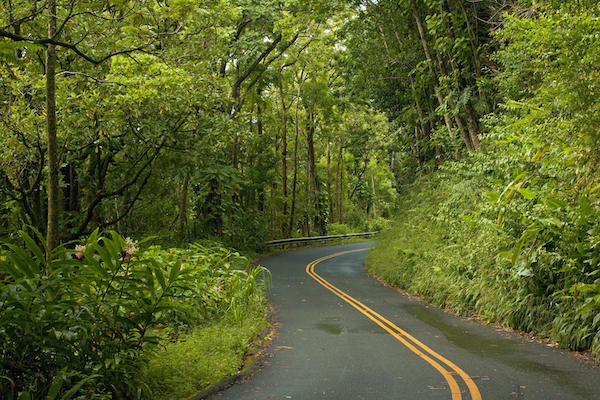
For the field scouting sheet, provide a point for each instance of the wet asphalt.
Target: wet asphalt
(326, 349)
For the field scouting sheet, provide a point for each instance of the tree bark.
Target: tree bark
(295, 176)
(374, 194)
(182, 200)
(52, 235)
(438, 94)
(473, 126)
(340, 167)
(463, 133)
(284, 154)
(330, 202)
(296, 134)
(319, 221)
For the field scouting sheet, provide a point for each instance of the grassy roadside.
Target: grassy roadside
(444, 248)
(203, 357)
(191, 360)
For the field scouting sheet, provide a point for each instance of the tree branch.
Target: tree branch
(70, 46)
(267, 64)
(235, 92)
(117, 192)
(131, 204)
(90, 77)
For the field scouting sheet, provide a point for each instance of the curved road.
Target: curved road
(343, 335)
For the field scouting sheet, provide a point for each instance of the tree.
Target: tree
(133, 28)
(26, 29)
(426, 71)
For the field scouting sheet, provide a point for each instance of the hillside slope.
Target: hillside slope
(449, 245)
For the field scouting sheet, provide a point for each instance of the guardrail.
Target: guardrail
(282, 242)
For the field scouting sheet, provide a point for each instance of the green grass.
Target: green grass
(445, 250)
(203, 357)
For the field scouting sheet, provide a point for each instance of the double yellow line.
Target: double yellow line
(447, 368)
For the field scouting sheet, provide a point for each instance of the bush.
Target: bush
(522, 255)
(82, 325)
(247, 231)
(339, 229)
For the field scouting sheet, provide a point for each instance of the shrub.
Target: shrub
(83, 324)
(80, 324)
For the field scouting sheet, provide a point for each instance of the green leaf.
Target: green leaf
(507, 255)
(518, 175)
(160, 277)
(94, 265)
(555, 203)
(519, 105)
(24, 262)
(57, 384)
(528, 194)
(114, 246)
(584, 207)
(492, 196)
(34, 248)
(109, 261)
(6, 266)
(71, 392)
(175, 270)
(524, 270)
(552, 222)
(146, 239)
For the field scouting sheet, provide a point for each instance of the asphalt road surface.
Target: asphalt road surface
(343, 335)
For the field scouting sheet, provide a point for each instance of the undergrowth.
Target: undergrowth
(524, 258)
(107, 320)
(202, 357)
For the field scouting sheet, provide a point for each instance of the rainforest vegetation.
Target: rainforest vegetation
(206, 125)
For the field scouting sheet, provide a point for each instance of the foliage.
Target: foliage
(202, 357)
(510, 234)
(82, 322)
(519, 256)
(87, 324)
(190, 120)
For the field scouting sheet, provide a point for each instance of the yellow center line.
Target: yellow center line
(401, 335)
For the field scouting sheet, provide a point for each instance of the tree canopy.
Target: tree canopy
(255, 120)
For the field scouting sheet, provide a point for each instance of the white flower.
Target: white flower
(79, 251)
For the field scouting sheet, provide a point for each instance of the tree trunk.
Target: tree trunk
(295, 177)
(373, 184)
(259, 131)
(318, 220)
(52, 235)
(182, 200)
(473, 126)
(284, 165)
(330, 200)
(423, 126)
(463, 133)
(338, 186)
(296, 133)
(341, 185)
(436, 88)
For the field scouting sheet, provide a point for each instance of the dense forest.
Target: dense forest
(186, 120)
(249, 120)
(264, 119)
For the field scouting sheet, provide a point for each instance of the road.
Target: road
(343, 335)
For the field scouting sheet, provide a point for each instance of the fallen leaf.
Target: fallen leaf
(284, 347)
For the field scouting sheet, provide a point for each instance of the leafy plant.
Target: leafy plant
(81, 324)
